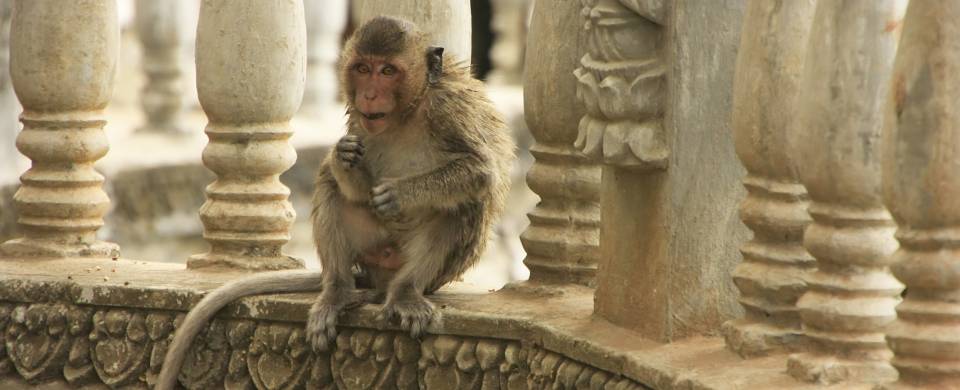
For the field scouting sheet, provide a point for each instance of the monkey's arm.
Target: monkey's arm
(351, 175)
(466, 175)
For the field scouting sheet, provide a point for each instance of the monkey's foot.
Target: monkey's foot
(322, 319)
(322, 325)
(415, 314)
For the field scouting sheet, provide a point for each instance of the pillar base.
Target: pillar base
(824, 369)
(252, 263)
(33, 248)
(752, 339)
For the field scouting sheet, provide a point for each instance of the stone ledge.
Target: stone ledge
(552, 323)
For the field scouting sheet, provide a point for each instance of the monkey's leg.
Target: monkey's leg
(426, 251)
(339, 228)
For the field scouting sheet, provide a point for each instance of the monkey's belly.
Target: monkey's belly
(362, 229)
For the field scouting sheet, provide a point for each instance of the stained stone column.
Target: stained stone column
(9, 108)
(656, 80)
(63, 77)
(851, 296)
(509, 25)
(325, 20)
(251, 64)
(561, 241)
(447, 21)
(921, 185)
(771, 277)
(158, 23)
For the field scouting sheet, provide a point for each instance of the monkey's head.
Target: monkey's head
(386, 69)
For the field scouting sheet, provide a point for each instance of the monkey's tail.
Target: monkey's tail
(197, 318)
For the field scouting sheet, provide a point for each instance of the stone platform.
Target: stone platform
(76, 323)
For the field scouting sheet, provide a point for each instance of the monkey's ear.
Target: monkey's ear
(434, 64)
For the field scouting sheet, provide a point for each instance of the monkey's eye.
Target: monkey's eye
(362, 68)
(389, 70)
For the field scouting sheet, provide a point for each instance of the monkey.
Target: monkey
(403, 204)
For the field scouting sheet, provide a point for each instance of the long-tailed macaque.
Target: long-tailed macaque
(407, 199)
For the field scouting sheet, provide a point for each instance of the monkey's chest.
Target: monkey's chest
(401, 158)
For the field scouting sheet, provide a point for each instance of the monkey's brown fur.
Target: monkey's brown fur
(431, 185)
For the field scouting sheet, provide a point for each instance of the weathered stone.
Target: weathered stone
(325, 21)
(851, 296)
(63, 77)
(765, 91)
(251, 64)
(563, 237)
(447, 22)
(669, 230)
(158, 23)
(621, 83)
(921, 185)
(9, 107)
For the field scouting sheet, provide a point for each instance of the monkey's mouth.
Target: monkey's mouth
(374, 116)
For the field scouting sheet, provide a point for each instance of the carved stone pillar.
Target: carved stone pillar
(158, 23)
(851, 296)
(563, 237)
(509, 25)
(325, 20)
(64, 79)
(447, 21)
(771, 277)
(251, 63)
(921, 185)
(9, 108)
(671, 179)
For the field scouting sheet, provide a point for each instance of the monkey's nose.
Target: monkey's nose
(369, 97)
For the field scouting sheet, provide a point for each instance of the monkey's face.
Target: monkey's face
(377, 90)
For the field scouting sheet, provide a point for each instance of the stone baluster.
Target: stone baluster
(325, 20)
(446, 21)
(658, 119)
(851, 296)
(9, 108)
(771, 277)
(251, 64)
(158, 23)
(563, 237)
(509, 26)
(63, 77)
(921, 185)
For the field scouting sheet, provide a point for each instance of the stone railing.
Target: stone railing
(632, 250)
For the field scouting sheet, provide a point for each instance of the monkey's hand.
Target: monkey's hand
(415, 312)
(385, 201)
(350, 151)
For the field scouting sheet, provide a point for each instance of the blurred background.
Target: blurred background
(154, 173)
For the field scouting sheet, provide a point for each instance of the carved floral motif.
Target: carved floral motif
(37, 341)
(279, 357)
(206, 362)
(621, 84)
(124, 348)
(79, 369)
(120, 346)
